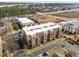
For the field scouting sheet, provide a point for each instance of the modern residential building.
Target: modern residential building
(71, 26)
(37, 34)
(25, 22)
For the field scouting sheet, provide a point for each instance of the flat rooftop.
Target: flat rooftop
(41, 18)
(25, 20)
(39, 28)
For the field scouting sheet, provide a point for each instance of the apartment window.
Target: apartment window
(45, 26)
(51, 25)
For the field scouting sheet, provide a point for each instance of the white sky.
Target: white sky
(66, 1)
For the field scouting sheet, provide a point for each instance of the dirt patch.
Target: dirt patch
(73, 14)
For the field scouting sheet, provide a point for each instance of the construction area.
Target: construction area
(36, 34)
(43, 18)
(72, 14)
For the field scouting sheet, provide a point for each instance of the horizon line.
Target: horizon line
(39, 1)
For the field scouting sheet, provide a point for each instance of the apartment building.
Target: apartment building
(37, 34)
(71, 26)
(25, 22)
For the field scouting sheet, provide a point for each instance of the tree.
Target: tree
(16, 11)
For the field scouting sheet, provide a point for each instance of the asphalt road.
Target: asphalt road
(44, 49)
(59, 11)
(74, 47)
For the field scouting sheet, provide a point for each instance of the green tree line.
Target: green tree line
(16, 11)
